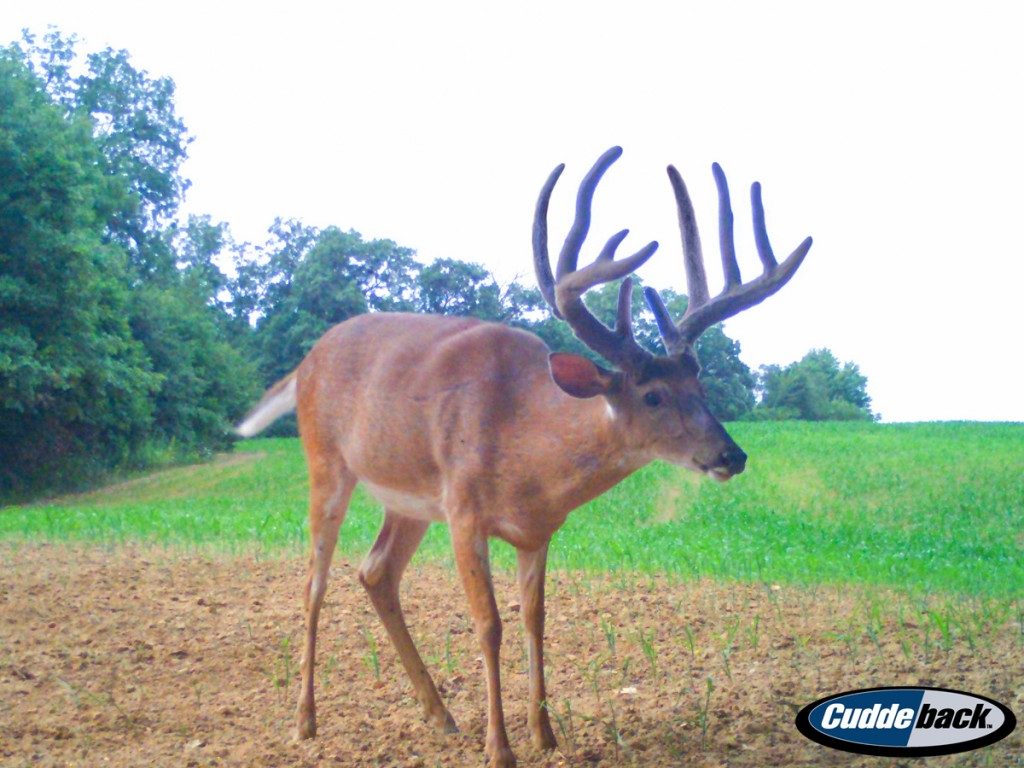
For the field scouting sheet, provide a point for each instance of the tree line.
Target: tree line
(130, 336)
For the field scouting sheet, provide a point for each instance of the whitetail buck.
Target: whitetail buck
(478, 425)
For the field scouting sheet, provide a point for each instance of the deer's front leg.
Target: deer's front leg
(531, 589)
(471, 558)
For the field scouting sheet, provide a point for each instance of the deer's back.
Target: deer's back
(402, 400)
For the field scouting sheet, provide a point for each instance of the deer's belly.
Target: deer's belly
(406, 504)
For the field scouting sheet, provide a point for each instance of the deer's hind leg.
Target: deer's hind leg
(381, 573)
(330, 488)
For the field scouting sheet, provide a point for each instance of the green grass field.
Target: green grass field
(926, 507)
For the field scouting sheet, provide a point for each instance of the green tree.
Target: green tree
(75, 385)
(844, 381)
(816, 388)
(453, 287)
(206, 383)
(197, 245)
(139, 134)
(162, 291)
(263, 275)
(314, 280)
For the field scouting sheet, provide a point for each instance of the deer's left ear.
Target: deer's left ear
(579, 377)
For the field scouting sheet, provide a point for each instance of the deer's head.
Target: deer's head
(657, 402)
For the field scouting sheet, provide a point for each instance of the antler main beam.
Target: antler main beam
(563, 291)
(702, 312)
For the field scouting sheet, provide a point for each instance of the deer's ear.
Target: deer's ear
(579, 377)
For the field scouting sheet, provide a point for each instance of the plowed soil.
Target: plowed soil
(141, 657)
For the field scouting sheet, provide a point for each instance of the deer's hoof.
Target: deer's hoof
(443, 722)
(449, 724)
(540, 731)
(501, 757)
(544, 739)
(305, 728)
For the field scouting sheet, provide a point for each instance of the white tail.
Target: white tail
(278, 400)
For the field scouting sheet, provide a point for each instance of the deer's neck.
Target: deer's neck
(594, 455)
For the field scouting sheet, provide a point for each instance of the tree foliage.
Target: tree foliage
(141, 139)
(303, 281)
(75, 385)
(815, 388)
(114, 344)
(452, 287)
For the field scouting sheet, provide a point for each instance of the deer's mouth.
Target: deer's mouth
(718, 474)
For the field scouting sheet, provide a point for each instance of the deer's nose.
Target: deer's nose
(732, 459)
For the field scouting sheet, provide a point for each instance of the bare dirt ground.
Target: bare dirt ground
(134, 657)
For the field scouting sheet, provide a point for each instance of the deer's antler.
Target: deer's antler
(702, 312)
(564, 291)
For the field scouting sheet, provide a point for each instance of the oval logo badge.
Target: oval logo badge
(905, 721)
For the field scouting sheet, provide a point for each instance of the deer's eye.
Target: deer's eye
(653, 399)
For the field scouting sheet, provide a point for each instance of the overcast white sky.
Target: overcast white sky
(891, 132)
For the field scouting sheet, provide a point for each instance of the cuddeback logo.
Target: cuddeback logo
(905, 722)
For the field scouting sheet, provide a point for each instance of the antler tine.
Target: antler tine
(693, 257)
(584, 200)
(702, 312)
(764, 248)
(624, 313)
(564, 290)
(608, 252)
(729, 303)
(541, 260)
(666, 325)
(572, 285)
(729, 266)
